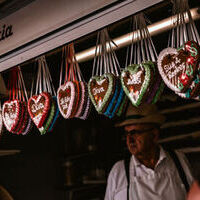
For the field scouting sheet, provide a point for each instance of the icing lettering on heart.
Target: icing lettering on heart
(38, 108)
(177, 67)
(66, 99)
(100, 90)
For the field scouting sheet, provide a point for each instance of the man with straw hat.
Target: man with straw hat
(151, 173)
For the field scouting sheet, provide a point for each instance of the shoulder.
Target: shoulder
(118, 173)
(118, 168)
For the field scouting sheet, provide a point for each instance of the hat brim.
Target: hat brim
(155, 119)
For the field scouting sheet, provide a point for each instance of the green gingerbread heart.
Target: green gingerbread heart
(100, 90)
(135, 81)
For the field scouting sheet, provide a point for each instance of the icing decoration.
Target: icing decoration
(66, 99)
(38, 108)
(1, 122)
(87, 109)
(122, 106)
(112, 101)
(159, 92)
(21, 124)
(135, 81)
(57, 112)
(77, 95)
(44, 128)
(28, 127)
(150, 89)
(82, 98)
(194, 89)
(119, 101)
(157, 86)
(100, 90)
(11, 114)
(25, 119)
(176, 72)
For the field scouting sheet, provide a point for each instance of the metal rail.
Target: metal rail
(125, 40)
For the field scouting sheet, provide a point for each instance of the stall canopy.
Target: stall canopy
(44, 25)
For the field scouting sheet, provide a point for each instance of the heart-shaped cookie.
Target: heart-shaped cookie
(157, 86)
(100, 90)
(56, 115)
(87, 108)
(194, 89)
(135, 81)
(119, 101)
(1, 123)
(82, 98)
(38, 108)
(17, 129)
(66, 96)
(49, 120)
(24, 119)
(28, 126)
(11, 114)
(112, 102)
(122, 106)
(177, 67)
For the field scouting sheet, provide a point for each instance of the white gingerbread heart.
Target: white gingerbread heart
(11, 114)
(178, 67)
(66, 99)
(38, 108)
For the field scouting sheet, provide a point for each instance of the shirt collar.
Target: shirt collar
(162, 157)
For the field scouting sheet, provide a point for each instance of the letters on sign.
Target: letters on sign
(5, 31)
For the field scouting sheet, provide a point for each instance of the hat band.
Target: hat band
(134, 117)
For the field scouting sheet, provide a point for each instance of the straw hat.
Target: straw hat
(145, 113)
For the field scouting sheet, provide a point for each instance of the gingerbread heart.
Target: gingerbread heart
(21, 121)
(119, 101)
(135, 81)
(38, 108)
(1, 123)
(177, 67)
(11, 114)
(28, 126)
(49, 120)
(24, 119)
(82, 99)
(194, 89)
(122, 106)
(57, 112)
(100, 90)
(157, 87)
(112, 102)
(66, 96)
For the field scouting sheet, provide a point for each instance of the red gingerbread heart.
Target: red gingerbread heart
(25, 116)
(11, 114)
(38, 108)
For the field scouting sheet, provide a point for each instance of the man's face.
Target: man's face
(141, 138)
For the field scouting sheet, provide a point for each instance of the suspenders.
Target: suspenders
(179, 167)
(176, 162)
(126, 164)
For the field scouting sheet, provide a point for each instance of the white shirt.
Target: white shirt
(162, 183)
